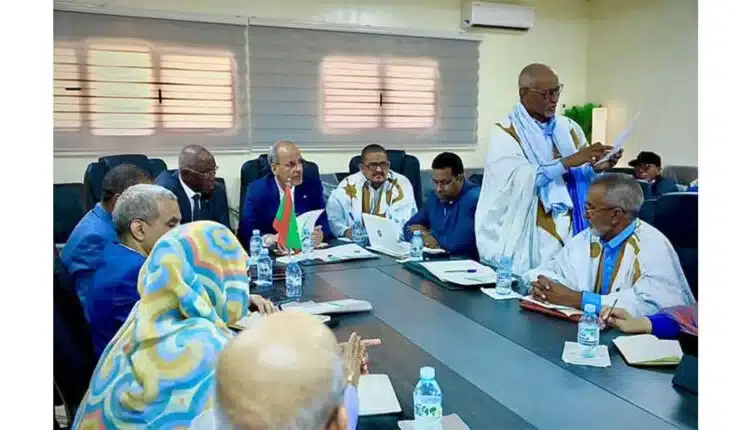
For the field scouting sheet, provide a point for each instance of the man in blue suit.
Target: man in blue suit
(200, 196)
(83, 252)
(263, 196)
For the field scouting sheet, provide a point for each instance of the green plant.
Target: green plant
(583, 116)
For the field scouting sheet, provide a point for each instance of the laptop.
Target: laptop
(384, 236)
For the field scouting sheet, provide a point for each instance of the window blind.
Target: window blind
(148, 85)
(337, 89)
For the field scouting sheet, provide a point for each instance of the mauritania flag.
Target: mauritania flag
(286, 222)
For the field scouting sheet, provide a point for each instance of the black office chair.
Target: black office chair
(259, 167)
(477, 178)
(403, 163)
(647, 211)
(676, 216)
(74, 360)
(68, 209)
(94, 175)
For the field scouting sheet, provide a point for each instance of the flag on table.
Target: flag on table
(285, 223)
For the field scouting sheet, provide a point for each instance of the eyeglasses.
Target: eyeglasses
(383, 165)
(590, 210)
(445, 183)
(207, 174)
(550, 93)
(292, 164)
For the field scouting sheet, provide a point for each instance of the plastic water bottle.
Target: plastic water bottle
(588, 331)
(307, 244)
(359, 235)
(293, 279)
(428, 401)
(256, 245)
(504, 274)
(416, 249)
(265, 270)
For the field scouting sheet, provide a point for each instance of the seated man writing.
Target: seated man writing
(287, 372)
(447, 218)
(375, 190)
(263, 196)
(619, 257)
(143, 214)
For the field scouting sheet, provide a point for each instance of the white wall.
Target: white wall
(558, 38)
(643, 54)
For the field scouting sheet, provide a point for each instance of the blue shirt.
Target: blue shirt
(610, 251)
(82, 253)
(451, 223)
(114, 291)
(664, 327)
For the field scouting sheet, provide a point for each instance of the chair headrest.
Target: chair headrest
(676, 216)
(138, 160)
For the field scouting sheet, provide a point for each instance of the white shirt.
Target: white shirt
(281, 191)
(189, 193)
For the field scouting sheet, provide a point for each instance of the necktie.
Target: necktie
(196, 207)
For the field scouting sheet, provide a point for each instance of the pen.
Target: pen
(611, 310)
(462, 271)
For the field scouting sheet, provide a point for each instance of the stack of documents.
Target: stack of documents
(332, 307)
(565, 310)
(461, 272)
(648, 350)
(346, 252)
(376, 396)
(572, 355)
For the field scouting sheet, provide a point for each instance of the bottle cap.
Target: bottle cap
(589, 308)
(427, 372)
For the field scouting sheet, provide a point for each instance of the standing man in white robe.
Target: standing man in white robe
(619, 257)
(374, 190)
(537, 172)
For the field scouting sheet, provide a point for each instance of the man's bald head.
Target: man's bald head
(197, 169)
(539, 90)
(286, 162)
(285, 372)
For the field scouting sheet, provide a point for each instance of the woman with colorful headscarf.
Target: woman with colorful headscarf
(158, 370)
(668, 323)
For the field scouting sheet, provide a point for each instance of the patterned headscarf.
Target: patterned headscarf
(158, 371)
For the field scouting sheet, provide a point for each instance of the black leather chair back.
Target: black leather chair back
(676, 216)
(68, 209)
(647, 211)
(73, 353)
(94, 175)
(403, 163)
(259, 167)
(477, 178)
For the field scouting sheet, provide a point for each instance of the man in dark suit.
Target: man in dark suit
(200, 196)
(648, 172)
(263, 196)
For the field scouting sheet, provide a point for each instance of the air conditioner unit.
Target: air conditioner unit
(496, 15)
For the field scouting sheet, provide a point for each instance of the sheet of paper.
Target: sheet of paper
(568, 311)
(493, 293)
(450, 422)
(376, 396)
(619, 141)
(461, 272)
(254, 317)
(308, 219)
(350, 251)
(572, 355)
(332, 307)
(644, 348)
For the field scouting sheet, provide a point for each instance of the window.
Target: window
(369, 92)
(148, 84)
(131, 91)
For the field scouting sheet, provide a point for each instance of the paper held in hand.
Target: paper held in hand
(620, 139)
(307, 220)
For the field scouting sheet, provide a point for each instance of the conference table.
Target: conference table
(499, 367)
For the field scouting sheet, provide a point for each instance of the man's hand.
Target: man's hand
(317, 235)
(612, 162)
(589, 154)
(621, 319)
(355, 355)
(547, 290)
(419, 227)
(430, 241)
(258, 303)
(348, 233)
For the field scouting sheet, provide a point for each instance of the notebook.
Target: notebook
(648, 350)
(376, 396)
(559, 311)
(461, 272)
